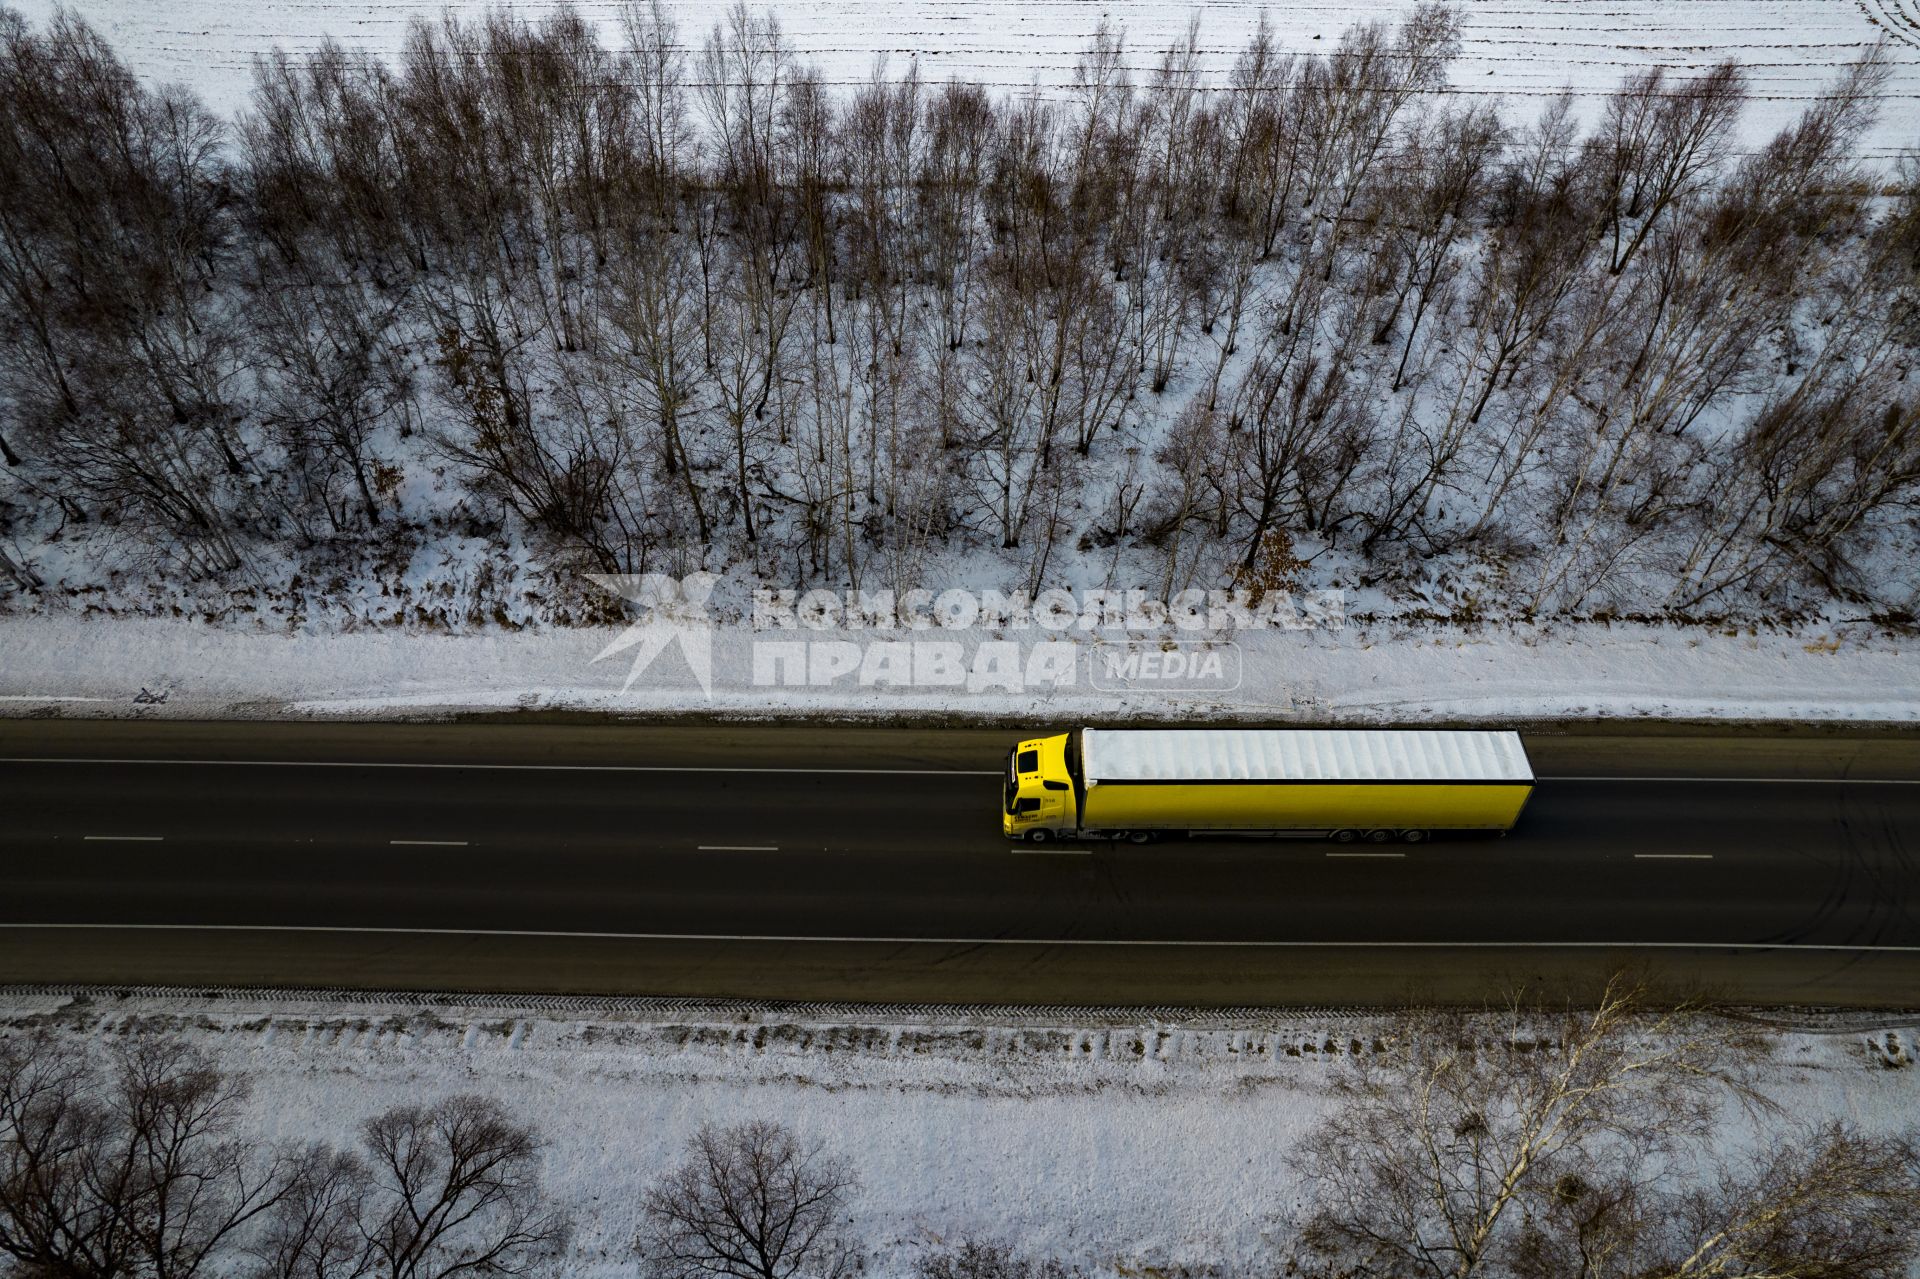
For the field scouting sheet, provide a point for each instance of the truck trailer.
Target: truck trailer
(1376, 785)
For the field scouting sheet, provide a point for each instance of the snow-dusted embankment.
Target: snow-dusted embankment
(1119, 1143)
(1361, 673)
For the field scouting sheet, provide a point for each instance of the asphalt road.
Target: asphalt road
(812, 862)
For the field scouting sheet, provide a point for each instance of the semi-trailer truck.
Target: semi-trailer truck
(1375, 785)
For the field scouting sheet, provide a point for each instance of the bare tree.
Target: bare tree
(1435, 190)
(120, 358)
(321, 163)
(316, 1230)
(14, 565)
(1469, 1123)
(986, 1259)
(134, 1167)
(1300, 427)
(1816, 1204)
(652, 308)
(455, 1189)
(1810, 1203)
(19, 572)
(752, 1201)
(1260, 141)
(332, 377)
(1656, 147)
(436, 1191)
(663, 135)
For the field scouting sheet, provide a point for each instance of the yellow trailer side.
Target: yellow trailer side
(1303, 806)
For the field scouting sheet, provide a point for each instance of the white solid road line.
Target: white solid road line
(838, 772)
(526, 768)
(1836, 947)
(125, 839)
(1673, 857)
(430, 843)
(737, 848)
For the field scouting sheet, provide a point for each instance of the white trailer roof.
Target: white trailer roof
(1297, 755)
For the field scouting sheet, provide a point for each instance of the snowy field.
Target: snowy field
(1123, 1144)
(1361, 673)
(1518, 49)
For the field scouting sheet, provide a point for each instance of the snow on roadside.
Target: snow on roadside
(1118, 1144)
(1359, 673)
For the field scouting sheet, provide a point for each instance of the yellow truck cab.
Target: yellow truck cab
(1039, 801)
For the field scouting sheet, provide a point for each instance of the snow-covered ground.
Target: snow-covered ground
(1357, 673)
(1520, 49)
(1124, 1143)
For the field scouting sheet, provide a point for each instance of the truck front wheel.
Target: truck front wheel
(1039, 836)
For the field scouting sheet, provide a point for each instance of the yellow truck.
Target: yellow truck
(1341, 784)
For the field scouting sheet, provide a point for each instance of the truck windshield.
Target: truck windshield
(1012, 787)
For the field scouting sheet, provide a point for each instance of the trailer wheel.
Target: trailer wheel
(1379, 836)
(1039, 836)
(1414, 836)
(1344, 836)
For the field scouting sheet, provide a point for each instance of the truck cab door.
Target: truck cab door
(1056, 805)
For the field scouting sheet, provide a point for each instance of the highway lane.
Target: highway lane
(917, 856)
(739, 837)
